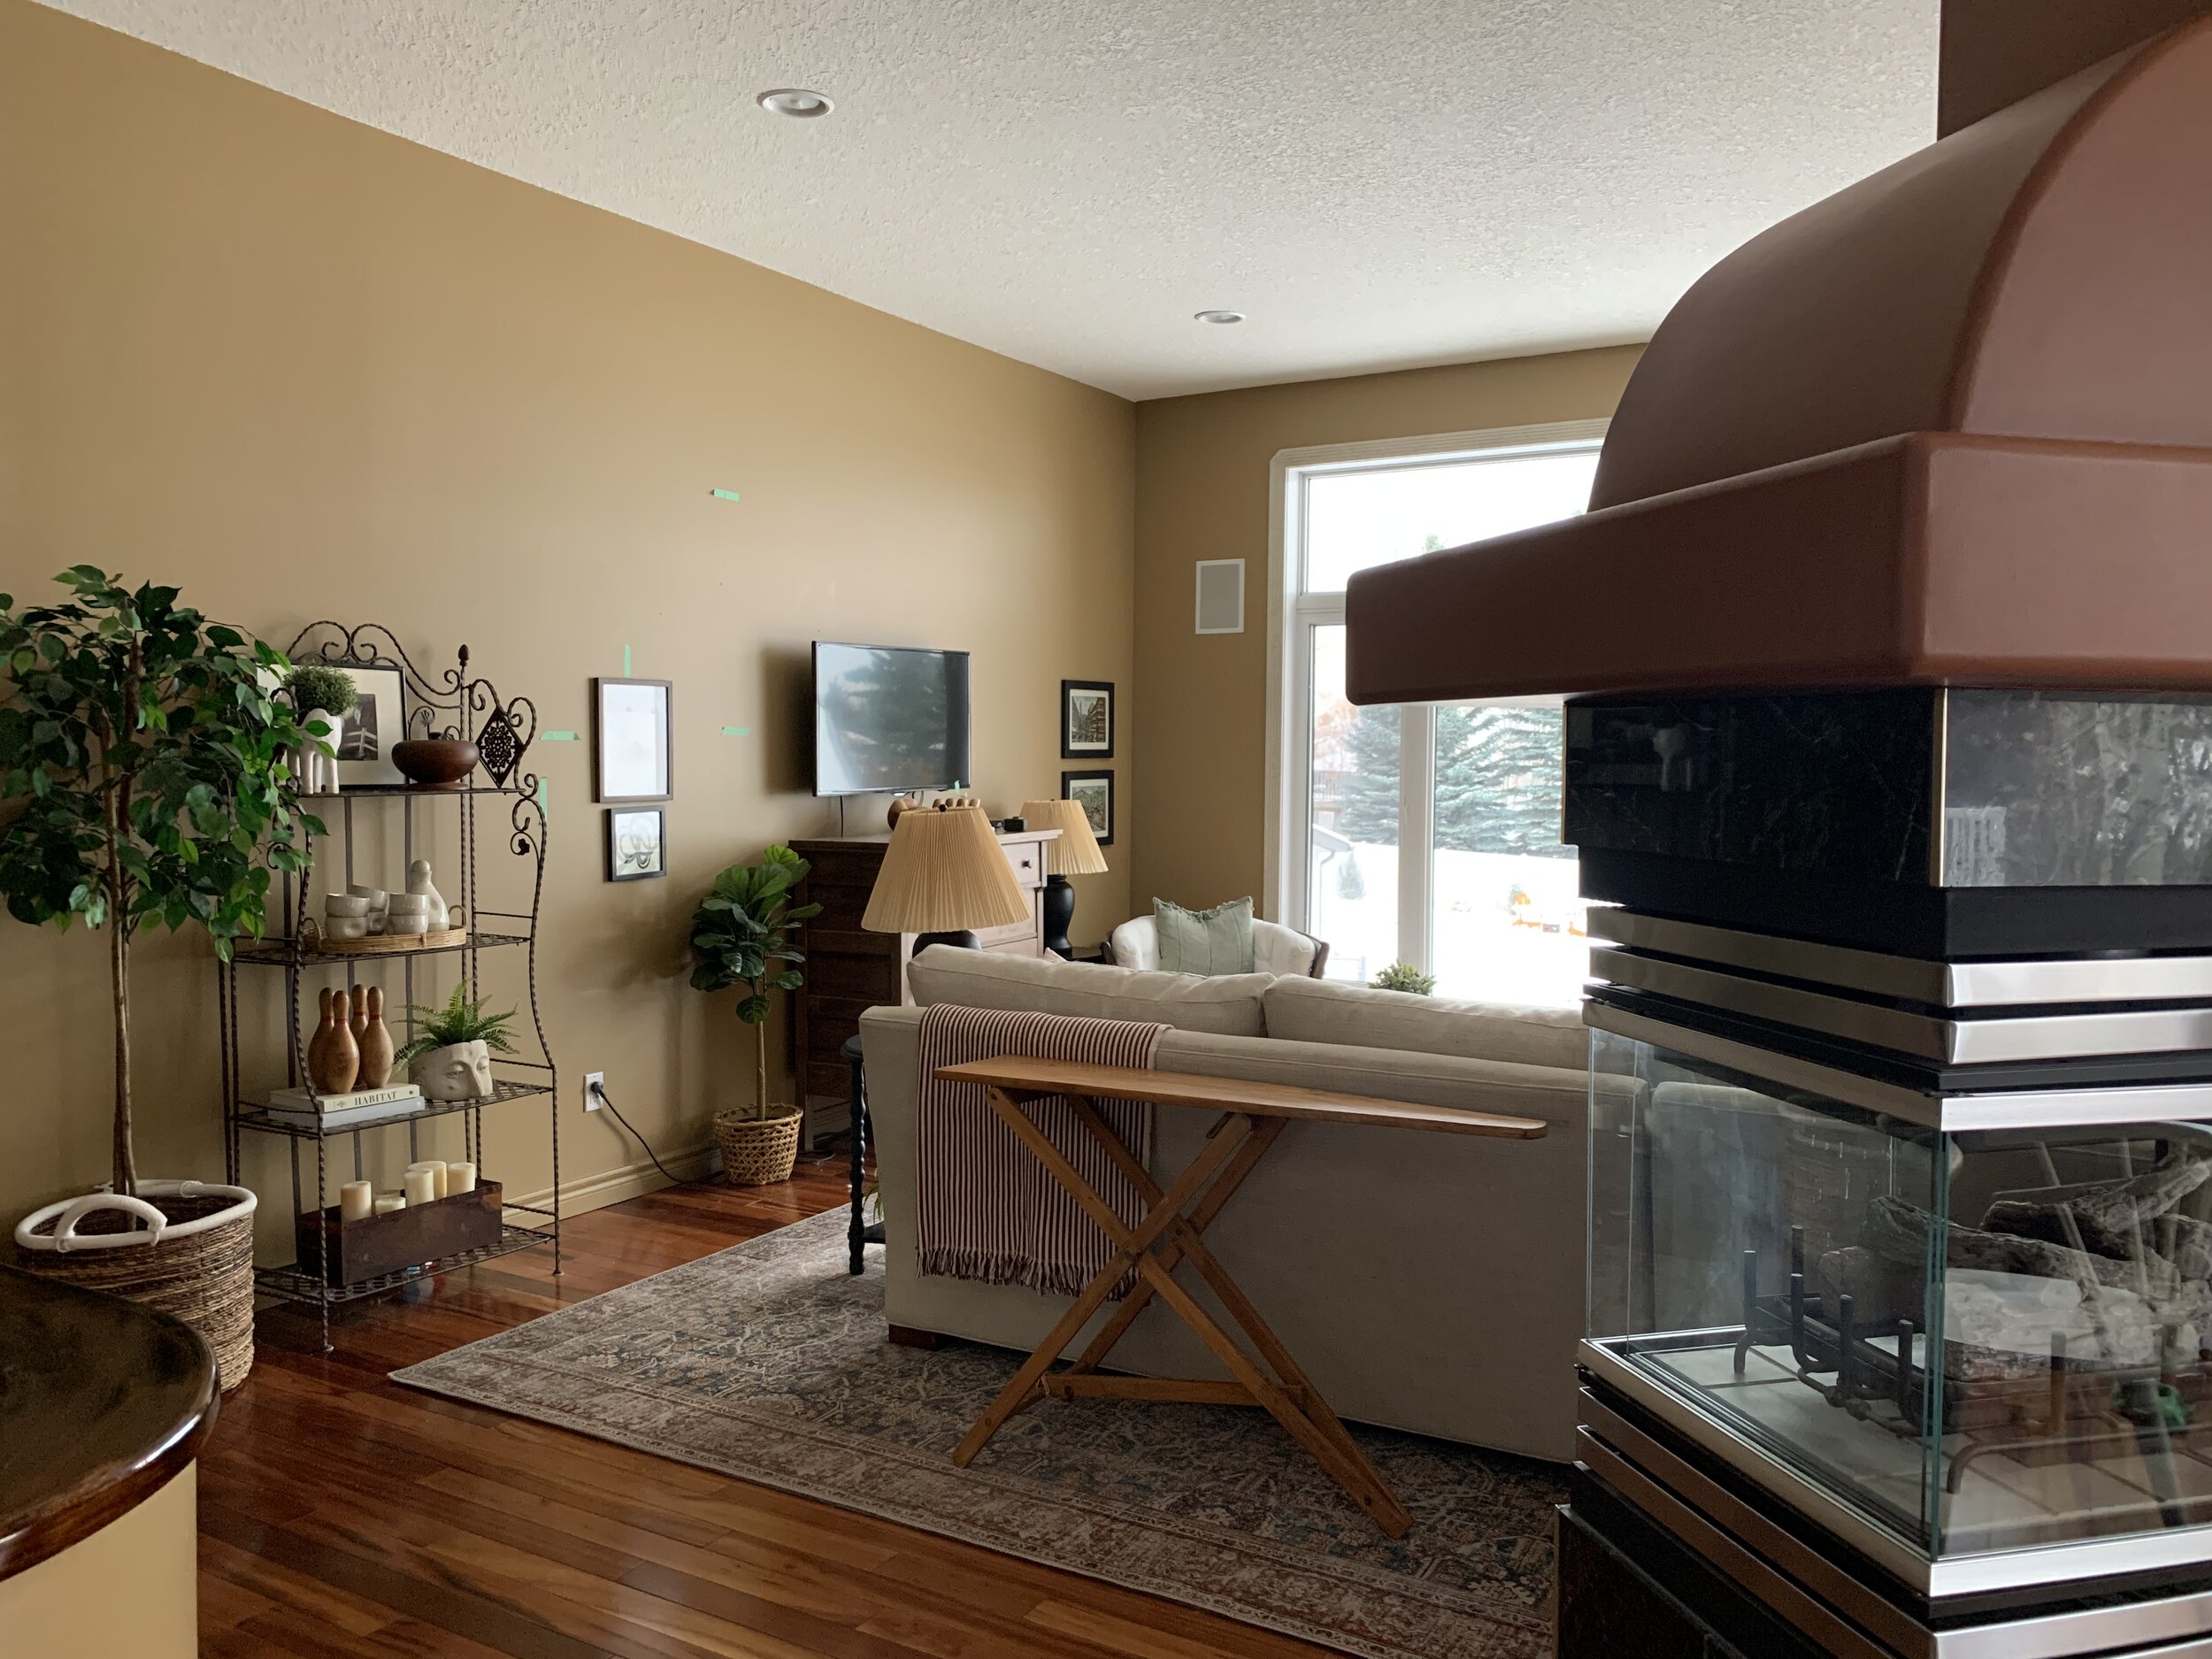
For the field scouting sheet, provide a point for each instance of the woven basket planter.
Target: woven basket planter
(758, 1151)
(192, 1258)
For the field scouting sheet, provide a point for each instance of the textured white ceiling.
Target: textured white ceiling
(1379, 183)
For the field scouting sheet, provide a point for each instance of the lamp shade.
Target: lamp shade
(943, 872)
(1077, 852)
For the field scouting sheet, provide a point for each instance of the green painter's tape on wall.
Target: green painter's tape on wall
(723, 495)
(737, 731)
(542, 806)
(625, 662)
(558, 737)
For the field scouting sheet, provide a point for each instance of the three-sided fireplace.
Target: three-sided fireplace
(1888, 651)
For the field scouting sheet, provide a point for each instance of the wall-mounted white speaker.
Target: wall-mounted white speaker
(1221, 595)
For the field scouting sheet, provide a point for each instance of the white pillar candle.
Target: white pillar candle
(460, 1177)
(356, 1199)
(387, 1203)
(437, 1174)
(421, 1185)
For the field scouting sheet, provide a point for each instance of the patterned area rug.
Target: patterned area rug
(769, 1361)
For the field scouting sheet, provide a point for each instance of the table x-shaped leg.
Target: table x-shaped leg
(1164, 1238)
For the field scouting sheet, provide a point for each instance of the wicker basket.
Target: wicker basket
(758, 1151)
(193, 1258)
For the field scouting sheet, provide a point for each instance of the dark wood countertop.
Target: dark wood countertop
(101, 1401)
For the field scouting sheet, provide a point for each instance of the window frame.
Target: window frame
(1287, 875)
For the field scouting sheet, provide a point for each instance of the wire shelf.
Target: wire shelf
(291, 1284)
(253, 1115)
(279, 953)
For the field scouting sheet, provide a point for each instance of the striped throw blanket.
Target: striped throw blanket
(987, 1210)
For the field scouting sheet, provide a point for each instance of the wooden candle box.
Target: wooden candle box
(375, 1245)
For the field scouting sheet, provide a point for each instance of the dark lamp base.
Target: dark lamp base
(963, 937)
(1057, 906)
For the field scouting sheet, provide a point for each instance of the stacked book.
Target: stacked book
(308, 1109)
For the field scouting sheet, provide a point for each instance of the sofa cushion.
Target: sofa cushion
(1229, 1003)
(1215, 941)
(1321, 1010)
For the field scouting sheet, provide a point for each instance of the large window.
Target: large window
(1427, 834)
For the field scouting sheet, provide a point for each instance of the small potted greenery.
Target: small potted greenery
(450, 1056)
(321, 697)
(739, 934)
(146, 781)
(1404, 976)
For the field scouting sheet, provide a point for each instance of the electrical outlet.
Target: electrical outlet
(594, 1081)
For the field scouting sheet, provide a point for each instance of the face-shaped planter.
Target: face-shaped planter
(461, 1071)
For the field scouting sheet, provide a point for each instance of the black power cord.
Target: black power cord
(607, 1100)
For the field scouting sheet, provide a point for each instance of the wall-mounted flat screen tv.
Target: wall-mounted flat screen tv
(888, 719)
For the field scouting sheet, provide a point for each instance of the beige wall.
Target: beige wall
(1202, 467)
(305, 369)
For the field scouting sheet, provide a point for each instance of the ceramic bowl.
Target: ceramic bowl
(407, 926)
(435, 762)
(346, 927)
(407, 904)
(347, 906)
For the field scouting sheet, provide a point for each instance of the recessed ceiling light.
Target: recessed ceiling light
(797, 102)
(1222, 318)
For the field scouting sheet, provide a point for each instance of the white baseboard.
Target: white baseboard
(632, 1180)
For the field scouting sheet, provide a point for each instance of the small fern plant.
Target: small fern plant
(464, 1018)
(1404, 976)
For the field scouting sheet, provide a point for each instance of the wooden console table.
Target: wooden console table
(1253, 1116)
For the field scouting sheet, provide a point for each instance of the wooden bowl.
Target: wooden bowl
(435, 762)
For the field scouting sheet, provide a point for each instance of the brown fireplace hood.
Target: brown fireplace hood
(1951, 425)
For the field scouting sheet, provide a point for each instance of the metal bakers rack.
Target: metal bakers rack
(501, 801)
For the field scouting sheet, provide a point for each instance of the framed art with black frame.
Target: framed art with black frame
(1086, 719)
(1093, 792)
(633, 749)
(637, 843)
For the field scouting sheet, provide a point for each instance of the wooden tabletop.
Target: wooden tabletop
(101, 1401)
(1021, 1076)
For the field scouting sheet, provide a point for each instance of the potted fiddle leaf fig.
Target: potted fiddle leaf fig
(739, 935)
(145, 782)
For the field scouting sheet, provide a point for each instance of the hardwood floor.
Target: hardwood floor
(342, 1515)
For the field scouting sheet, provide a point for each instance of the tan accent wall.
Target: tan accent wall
(305, 368)
(1202, 467)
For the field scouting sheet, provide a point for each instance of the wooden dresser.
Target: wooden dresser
(850, 969)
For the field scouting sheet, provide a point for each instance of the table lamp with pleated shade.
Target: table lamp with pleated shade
(944, 876)
(1076, 853)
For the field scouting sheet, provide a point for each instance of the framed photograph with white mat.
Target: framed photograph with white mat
(632, 750)
(1086, 719)
(367, 731)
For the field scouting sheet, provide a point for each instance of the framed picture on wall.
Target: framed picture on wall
(637, 843)
(1093, 792)
(632, 752)
(1086, 719)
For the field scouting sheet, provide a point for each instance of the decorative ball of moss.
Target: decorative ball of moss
(314, 686)
(1404, 976)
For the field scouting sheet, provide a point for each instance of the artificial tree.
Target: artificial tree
(144, 779)
(740, 931)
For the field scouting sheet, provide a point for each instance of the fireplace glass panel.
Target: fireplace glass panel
(1766, 1257)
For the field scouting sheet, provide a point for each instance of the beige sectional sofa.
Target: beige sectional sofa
(1425, 1282)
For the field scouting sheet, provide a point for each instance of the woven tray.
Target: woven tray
(387, 944)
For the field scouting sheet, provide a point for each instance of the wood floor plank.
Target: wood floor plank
(345, 1515)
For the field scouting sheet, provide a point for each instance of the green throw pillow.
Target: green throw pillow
(1218, 941)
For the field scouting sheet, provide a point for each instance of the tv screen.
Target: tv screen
(888, 719)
